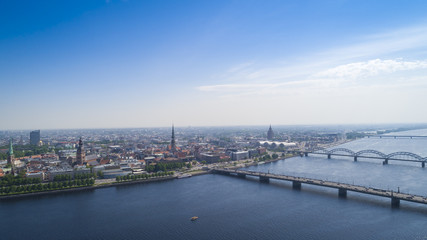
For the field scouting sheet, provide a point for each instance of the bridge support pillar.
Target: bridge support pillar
(264, 179)
(241, 175)
(296, 185)
(423, 164)
(355, 158)
(329, 156)
(385, 162)
(395, 202)
(342, 192)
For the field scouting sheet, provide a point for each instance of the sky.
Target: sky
(116, 63)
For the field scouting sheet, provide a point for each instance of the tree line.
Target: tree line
(9, 180)
(142, 176)
(39, 187)
(166, 166)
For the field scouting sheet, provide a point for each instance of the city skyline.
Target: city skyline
(126, 64)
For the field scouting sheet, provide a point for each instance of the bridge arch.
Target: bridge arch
(407, 154)
(342, 150)
(370, 151)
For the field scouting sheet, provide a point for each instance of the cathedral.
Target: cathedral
(270, 134)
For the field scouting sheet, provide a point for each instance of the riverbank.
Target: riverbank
(113, 184)
(104, 185)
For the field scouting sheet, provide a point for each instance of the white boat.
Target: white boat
(186, 175)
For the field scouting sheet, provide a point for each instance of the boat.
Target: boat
(194, 218)
(184, 175)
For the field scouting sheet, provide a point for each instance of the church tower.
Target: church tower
(10, 156)
(80, 156)
(270, 134)
(173, 144)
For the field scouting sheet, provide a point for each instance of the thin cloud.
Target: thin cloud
(371, 68)
(342, 67)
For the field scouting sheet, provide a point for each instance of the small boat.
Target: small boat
(194, 218)
(184, 175)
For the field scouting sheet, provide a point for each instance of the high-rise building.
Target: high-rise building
(10, 156)
(81, 155)
(35, 137)
(173, 144)
(270, 134)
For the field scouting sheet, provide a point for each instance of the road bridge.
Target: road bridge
(297, 182)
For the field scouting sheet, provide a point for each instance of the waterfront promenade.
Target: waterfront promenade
(342, 187)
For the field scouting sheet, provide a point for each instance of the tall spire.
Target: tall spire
(10, 157)
(81, 154)
(10, 147)
(173, 145)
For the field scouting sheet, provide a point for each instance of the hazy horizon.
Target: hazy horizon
(143, 64)
(278, 126)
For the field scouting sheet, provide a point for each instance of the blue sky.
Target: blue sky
(87, 64)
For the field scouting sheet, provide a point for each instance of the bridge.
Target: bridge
(369, 153)
(396, 136)
(395, 197)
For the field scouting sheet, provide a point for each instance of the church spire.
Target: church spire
(173, 145)
(10, 147)
(10, 157)
(81, 154)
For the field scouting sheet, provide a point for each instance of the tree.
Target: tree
(100, 174)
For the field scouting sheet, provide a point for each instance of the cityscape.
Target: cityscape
(131, 151)
(217, 120)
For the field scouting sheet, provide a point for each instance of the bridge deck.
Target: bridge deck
(372, 157)
(337, 185)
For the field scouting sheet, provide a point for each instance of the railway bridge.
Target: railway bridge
(368, 153)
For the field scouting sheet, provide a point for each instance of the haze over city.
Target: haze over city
(110, 64)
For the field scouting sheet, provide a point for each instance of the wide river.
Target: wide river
(233, 208)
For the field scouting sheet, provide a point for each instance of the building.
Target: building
(209, 157)
(270, 134)
(35, 137)
(236, 156)
(275, 144)
(80, 155)
(173, 144)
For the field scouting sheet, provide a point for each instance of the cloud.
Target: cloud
(387, 60)
(339, 78)
(371, 68)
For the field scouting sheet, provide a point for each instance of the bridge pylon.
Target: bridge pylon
(342, 192)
